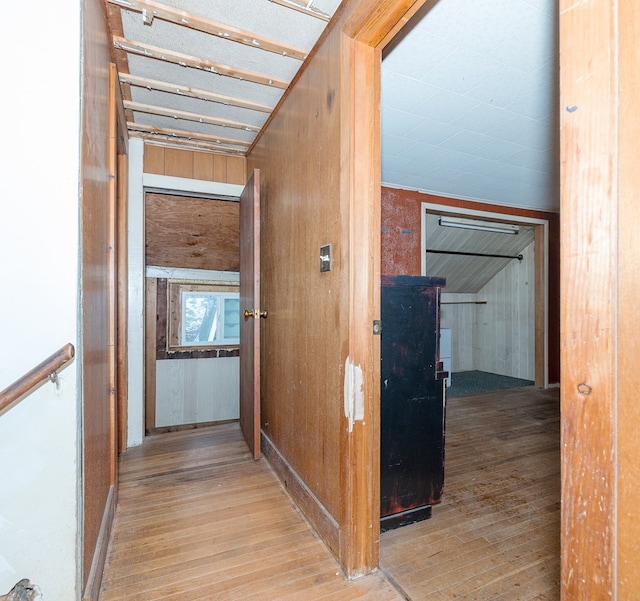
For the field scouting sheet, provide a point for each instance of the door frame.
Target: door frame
(139, 183)
(541, 288)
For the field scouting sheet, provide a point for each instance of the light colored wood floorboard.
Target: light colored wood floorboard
(496, 535)
(198, 519)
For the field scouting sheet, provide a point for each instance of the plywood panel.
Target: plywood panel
(192, 391)
(304, 336)
(235, 170)
(192, 232)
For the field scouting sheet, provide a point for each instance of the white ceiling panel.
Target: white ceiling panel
(488, 133)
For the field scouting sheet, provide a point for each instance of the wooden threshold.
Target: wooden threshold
(496, 534)
(198, 518)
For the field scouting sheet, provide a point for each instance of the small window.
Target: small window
(203, 315)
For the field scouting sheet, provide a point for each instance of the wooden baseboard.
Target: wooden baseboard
(94, 580)
(320, 519)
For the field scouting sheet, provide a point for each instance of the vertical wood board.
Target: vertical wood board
(628, 527)
(588, 40)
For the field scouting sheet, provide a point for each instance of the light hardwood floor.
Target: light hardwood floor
(496, 534)
(197, 518)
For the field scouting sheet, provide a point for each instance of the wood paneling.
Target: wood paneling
(458, 312)
(194, 164)
(494, 330)
(97, 156)
(320, 160)
(194, 391)
(496, 534)
(504, 332)
(304, 339)
(194, 233)
(199, 519)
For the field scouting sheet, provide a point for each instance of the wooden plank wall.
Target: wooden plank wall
(458, 312)
(194, 164)
(320, 162)
(498, 335)
(304, 338)
(96, 276)
(504, 331)
(599, 87)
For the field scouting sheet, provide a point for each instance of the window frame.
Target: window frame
(175, 290)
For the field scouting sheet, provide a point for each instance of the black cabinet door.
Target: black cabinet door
(412, 401)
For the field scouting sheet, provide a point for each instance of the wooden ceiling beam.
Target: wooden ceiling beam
(300, 7)
(179, 134)
(168, 140)
(176, 114)
(150, 10)
(195, 62)
(180, 90)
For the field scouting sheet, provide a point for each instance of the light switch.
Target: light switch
(325, 258)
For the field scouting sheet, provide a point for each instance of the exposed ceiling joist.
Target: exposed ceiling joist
(303, 8)
(150, 10)
(172, 142)
(177, 135)
(176, 114)
(195, 62)
(180, 90)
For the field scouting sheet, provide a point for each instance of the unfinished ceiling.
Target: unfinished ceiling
(468, 90)
(208, 73)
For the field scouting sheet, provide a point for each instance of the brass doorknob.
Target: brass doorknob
(256, 314)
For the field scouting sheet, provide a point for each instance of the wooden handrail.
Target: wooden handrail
(41, 372)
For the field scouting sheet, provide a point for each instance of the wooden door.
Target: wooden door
(250, 313)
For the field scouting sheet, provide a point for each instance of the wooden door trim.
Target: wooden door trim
(364, 32)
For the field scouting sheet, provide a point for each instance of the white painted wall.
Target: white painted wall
(195, 391)
(39, 236)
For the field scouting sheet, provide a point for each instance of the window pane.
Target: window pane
(200, 310)
(231, 318)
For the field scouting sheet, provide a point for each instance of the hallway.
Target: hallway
(198, 519)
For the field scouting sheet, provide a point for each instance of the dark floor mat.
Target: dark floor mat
(473, 382)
